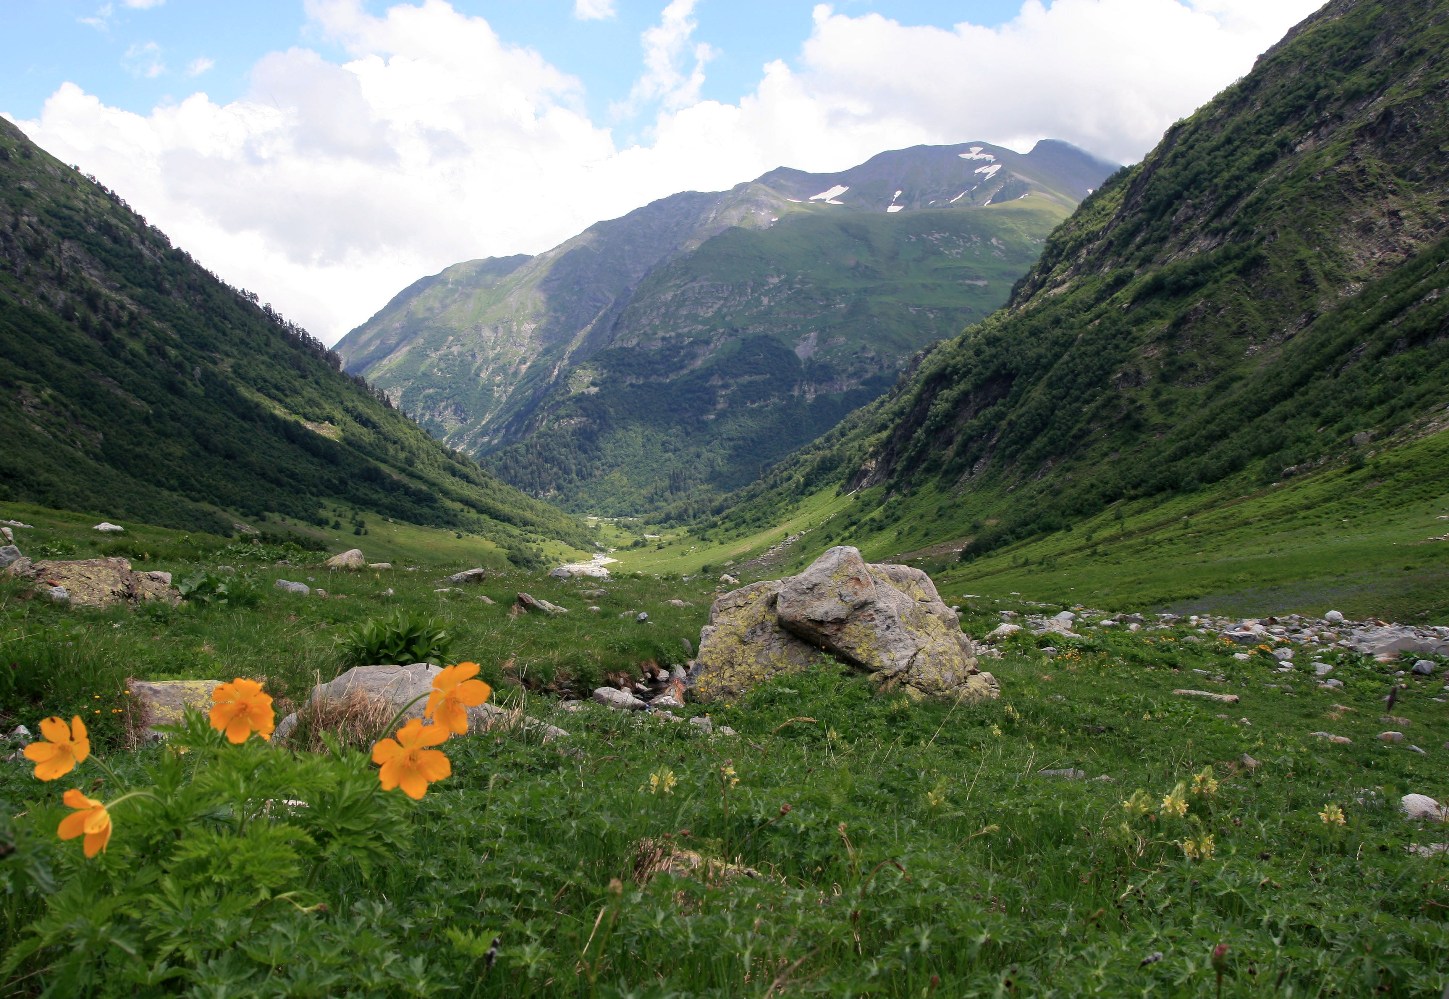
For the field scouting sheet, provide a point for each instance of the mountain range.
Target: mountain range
(677, 351)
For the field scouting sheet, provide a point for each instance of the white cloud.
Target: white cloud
(143, 4)
(594, 10)
(668, 49)
(200, 65)
(332, 185)
(101, 19)
(144, 59)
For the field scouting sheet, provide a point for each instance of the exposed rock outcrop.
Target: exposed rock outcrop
(97, 582)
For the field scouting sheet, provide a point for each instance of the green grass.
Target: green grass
(923, 850)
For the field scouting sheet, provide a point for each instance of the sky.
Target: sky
(328, 153)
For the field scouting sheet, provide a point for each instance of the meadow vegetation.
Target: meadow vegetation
(839, 843)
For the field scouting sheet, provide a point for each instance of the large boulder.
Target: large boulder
(98, 582)
(886, 620)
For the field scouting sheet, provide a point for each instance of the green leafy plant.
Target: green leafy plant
(402, 638)
(208, 587)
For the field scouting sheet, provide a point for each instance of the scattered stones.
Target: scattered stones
(1338, 740)
(1421, 806)
(352, 559)
(96, 582)
(288, 586)
(1209, 695)
(106, 527)
(595, 568)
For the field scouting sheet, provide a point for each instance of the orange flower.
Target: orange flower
(64, 747)
(241, 709)
(90, 817)
(454, 692)
(408, 762)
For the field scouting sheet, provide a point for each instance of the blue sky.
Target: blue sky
(327, 153)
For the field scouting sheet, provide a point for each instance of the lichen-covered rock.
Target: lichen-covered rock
(97, 582)
(887, 620)
(161, 702)
(743, 644)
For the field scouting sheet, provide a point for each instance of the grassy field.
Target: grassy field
(840, 843)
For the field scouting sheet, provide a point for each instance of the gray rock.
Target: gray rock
(1069, 774)
(1421, 806)
(1424, 667)
(1332, 684)
(106, 527)
(467, 576)
(8, 555)
(7, 534)
(666, 701)
(702, 722)
(1283, 655)
(642, 616)
(58, 595)
(729, 580)
(1394, 639)
(594, 609)
(392, 687)
(1340, 740)
(379, 566)
(352, 559)
(537, 605)
(162, 702)
(96, 582)
(287, 586)
(679, 603)
(1333, 617)
(1391, 737)
(619, 700)
(1322, 669)
(1002, 631)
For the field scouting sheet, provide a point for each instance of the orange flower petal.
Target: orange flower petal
(433, 765)
(55, 729)
(72, 825)
(413, 784)
(384, 750)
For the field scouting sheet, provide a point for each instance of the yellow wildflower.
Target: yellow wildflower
(728, 773)
(1205, 783)
(454, 692)
(1176, 801)
(662, 781)
(1139, 804)
(241, 708)
(90, 819)
(996, 730)
(409, 762)
(61, 748)
(1332, 815)
(1198, 849)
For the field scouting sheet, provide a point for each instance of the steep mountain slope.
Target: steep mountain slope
(134, 382)
(679, 348)
(1261, 298)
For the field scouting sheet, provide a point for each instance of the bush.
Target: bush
(403, 638)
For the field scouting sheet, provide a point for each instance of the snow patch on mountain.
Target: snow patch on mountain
(976, 154)
(893, 207)
(830, 196)
(989, 171)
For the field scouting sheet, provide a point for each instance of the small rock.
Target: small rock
(1322, 669)
(7, 534)
(389, 592)
(1209, 695)
(1333, 617)
(531, 603)
(1424, 667)
(593, 609)
(319, 592)
(619, 700)
(379, 566)
(106, 527)
(1339, 740)
(287, 586)
(1249, 762)
(486, 600)
(1002, 631)
(1421, 806)
(1416, 749)
(58, 594)
(1332, 684)
(679, 603)
(642, 617)
(351, 559)
(702, 722)
(21, 734)
(1282, 655)
(1395, 721)
(467, 576)
(1070, 774)
(666, 701)
(1391, 737)
(8, 555)
(725, 730)
(728, 580)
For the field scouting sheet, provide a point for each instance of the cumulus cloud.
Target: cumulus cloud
(673, 62)
(594, 10)
(332, 184)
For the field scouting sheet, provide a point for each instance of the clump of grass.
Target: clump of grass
(354, 722)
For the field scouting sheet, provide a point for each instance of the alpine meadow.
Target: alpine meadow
(969, 573)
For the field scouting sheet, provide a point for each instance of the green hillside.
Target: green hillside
(676, 351)
(135, 384)
(1260, 301)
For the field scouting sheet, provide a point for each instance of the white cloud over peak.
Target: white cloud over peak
(332, 185)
